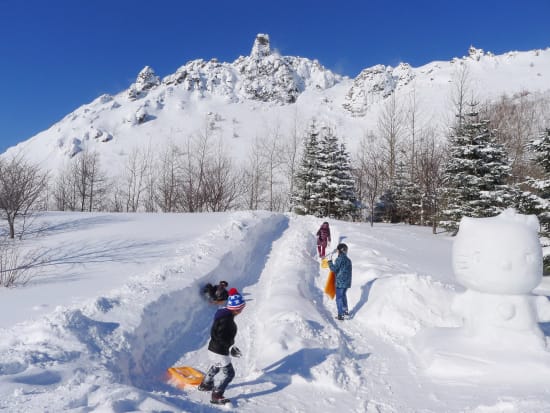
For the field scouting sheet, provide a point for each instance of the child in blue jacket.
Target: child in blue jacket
(342, 271)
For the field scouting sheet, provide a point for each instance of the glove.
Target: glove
(235, 352)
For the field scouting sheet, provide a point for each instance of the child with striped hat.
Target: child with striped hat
(221, 348)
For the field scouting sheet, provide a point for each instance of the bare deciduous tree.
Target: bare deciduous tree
(516, 120)
(390, 129)
(96, 180)
(135, 177)
(461, 93)
(81, 185)
(222, 185)
(270, 150)
(21, 185)
(370, 173)
(167, 187)
(255, 177)
(430, 158)
(193, 167)
(64, 190)
(290, 156)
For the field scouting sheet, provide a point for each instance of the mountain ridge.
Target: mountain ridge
(265, 94)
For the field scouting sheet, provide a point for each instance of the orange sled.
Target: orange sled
(330, 286)
(183, 376)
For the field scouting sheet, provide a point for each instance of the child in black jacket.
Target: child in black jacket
(222, 338)
(216, 293)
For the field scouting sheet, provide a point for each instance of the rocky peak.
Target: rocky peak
(475, 53)
(263, 76)
(261, 46)
(374, 84)
(146, 80)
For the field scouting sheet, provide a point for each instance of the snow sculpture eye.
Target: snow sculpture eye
(506, 265)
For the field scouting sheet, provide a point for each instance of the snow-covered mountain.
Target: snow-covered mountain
(266, 93)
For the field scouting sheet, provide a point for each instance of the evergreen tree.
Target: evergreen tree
(324, 182)
(328, 184)
(307, 174)
(347, 204)
(386, 207)
(475, 173)
(537, 201)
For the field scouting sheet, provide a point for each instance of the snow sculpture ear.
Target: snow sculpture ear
(530, 221)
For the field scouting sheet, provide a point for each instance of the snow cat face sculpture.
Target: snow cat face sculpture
(498, 255)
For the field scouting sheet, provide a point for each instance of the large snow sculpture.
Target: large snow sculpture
(499, 262)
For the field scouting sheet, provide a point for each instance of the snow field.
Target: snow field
(109, 353)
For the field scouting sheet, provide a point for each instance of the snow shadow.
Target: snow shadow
(43, 227)
(545, 327)
(95, 252)
(91, 332)
(365, 291)
(44, 378)
(280, 373)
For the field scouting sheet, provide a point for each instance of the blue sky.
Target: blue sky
(59, 54)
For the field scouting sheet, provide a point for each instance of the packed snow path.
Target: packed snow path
(110, 355)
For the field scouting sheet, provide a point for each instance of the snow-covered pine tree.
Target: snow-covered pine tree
(324, 182)
(347, 206)
(327, 186)
(475, 173)
(307, 175)
(537, 201)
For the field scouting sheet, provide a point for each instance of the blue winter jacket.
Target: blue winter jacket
(342, 270)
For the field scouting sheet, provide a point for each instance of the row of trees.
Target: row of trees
(424, 179)
(485, 160)
(403, 171)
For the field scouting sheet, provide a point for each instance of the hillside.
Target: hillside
(266, 94)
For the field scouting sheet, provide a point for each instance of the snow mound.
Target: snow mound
(400, 306)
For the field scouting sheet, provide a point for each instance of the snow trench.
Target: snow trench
(273, 264)
(179, 321)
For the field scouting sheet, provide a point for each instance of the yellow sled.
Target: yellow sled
(330, 286)
(183, 376)
(324, 263)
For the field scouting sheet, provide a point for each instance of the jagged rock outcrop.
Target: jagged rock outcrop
(205, 77)
(264, 76)
(146, 80)
(374, 84)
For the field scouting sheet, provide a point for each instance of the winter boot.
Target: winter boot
(217, 398)
(205, 387)
(339, 317)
